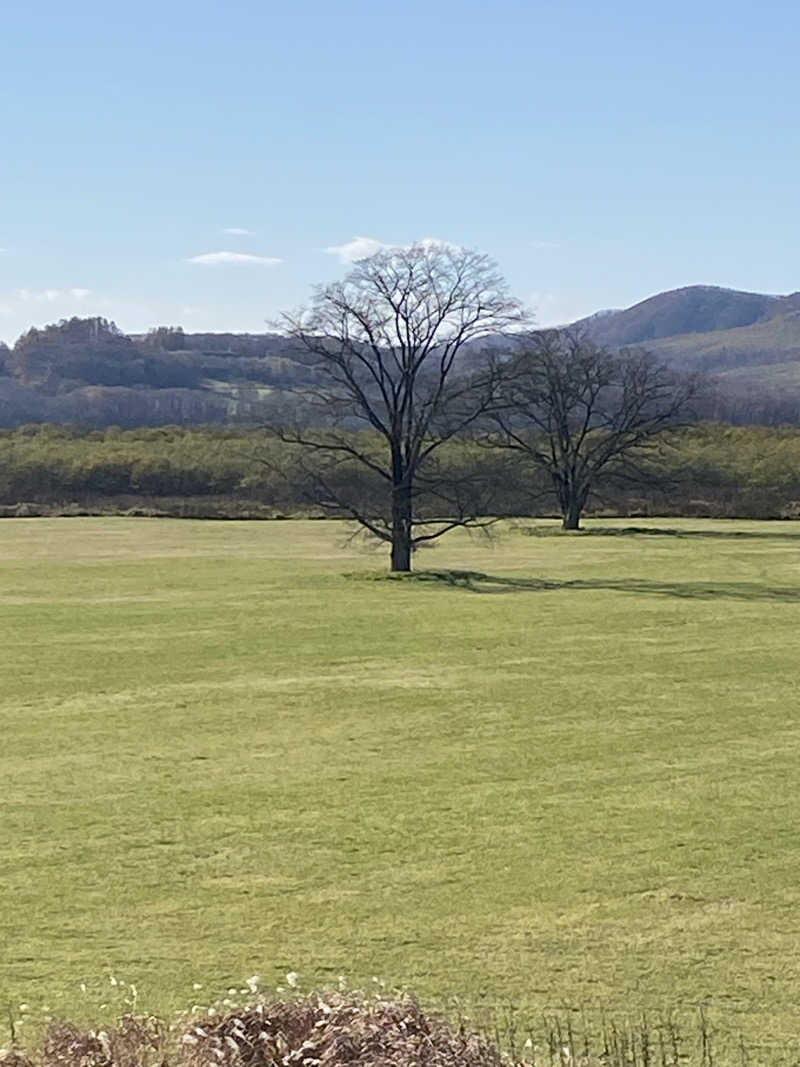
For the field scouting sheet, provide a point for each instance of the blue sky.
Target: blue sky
(600, 152)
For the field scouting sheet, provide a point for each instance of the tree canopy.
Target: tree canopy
(576, 410)
(387, 344)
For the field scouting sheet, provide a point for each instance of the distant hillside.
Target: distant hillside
(701, 318)
(748, 342)
(770, 341)
(695, 309)
(87, 371)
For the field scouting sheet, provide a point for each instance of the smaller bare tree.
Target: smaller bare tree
(393, 348)
(578, 411)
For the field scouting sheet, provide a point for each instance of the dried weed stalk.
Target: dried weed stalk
(136, 1041)
(333, 1030)
(13, 1058)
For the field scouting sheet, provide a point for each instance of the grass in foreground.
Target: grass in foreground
(223, 753)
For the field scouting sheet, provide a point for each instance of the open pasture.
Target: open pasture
(226, 750)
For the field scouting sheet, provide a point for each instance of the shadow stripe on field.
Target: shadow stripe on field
(478, 582)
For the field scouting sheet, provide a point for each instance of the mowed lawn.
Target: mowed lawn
(226, 751)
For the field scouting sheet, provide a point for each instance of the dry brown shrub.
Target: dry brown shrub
(136, 1041)
(333, 1030)
(14, 1058)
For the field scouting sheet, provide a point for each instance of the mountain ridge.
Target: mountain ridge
(89, 371)
(689, 309)
(749, 343)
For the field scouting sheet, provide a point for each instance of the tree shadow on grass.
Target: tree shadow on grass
(478, 582)
(659, 531)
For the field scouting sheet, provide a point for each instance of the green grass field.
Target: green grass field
(226, 751)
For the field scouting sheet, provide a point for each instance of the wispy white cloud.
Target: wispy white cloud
(218, 259)
(51, 296)
(545, 246)
(238, 231)
(361, 247)
(356, 248)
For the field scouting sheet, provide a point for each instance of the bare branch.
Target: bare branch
(574, 410)
(389, 345)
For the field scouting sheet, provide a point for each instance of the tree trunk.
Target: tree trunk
(401, 554)
(572, 517)
(570, 500)
(401, 529)
(571, 510)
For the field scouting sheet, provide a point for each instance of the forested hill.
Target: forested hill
(749, 343)
(691, 310)
(88, 371)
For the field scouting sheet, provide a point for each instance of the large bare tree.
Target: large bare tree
(577, 411)
(394, 347)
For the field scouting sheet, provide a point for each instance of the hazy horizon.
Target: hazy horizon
(270, 327)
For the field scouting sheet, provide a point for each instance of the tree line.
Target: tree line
(707, 469)
(90, 371)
